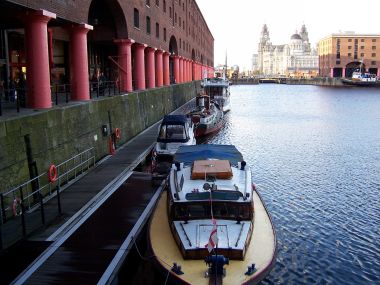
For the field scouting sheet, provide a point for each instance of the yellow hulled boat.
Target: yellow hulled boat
(210, 226)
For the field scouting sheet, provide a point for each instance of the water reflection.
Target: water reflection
(315, 157)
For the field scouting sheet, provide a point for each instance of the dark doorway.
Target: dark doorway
(109, 23)
(354, 66)
(337, 72)
(173, 49)
(372, 70)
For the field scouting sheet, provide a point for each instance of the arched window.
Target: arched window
(136, 18)
(148, 25)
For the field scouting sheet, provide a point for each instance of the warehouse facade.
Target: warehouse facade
(138, 44)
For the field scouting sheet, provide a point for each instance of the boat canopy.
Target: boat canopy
(174, 129)
(188, 154)
(174, 120)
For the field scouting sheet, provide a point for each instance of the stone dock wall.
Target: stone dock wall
(60, 133)
(320, 81)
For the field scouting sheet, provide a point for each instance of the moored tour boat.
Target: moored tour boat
(207, 116)
(174, 131)
(362, 79)
(212, 213)
(218, 88)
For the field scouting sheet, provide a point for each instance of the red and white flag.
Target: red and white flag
(213, 239)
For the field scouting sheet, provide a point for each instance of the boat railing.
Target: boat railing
(246, 186)
(187, 237)
(240, 233)
(176, 186)
(34, 193)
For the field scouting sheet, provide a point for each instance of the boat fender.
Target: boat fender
(117, 133)
(16, 207)
(52, 173)
(253, 187)
(243, 164)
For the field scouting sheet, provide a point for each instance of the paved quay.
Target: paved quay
(84, 198)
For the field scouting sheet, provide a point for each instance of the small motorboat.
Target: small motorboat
(207, 116)
(174, 131)
(211, 226)
(218, 88)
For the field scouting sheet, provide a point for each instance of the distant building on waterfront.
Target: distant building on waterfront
(255, 66)
(294, 59)
(342, 53)
(135, 44)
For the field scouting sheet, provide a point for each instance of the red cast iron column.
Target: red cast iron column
(159, 67)
(193, 67)
(181, 70)
(125, 62)
(166, 71)
(185, 76)
(150, 68)
(37, 54)
(140, 66)
(176, 69)
(80, 82)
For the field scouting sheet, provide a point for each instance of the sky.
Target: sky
(236, 24)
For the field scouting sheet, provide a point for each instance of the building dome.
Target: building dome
(295, 37)
(235, 68)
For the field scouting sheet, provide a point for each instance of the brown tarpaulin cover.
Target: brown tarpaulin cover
(220, 168)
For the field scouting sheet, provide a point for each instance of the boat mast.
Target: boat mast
(225, 67)
(361, 66)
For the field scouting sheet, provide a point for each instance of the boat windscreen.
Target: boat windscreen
(172, 133)
(216, 195)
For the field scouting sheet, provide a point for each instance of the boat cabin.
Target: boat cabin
(174, 131)
(174, 128)
(210, 189)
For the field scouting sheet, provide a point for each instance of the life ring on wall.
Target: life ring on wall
(117, 133)
(16, 207)
(52, 174)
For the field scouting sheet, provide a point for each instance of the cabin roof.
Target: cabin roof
(174, 120)
(189, 154)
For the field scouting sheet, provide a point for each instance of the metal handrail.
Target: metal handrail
(15, 98)
(67, 172)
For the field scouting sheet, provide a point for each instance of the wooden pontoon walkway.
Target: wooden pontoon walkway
(93, 250)
(105, 210)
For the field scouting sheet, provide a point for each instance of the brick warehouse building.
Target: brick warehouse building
(137, 43)
(340, 54)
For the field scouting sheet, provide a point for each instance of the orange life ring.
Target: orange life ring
(16, 203)
(52, 174)
(117, 133)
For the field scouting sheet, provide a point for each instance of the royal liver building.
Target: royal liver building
(295, 59)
